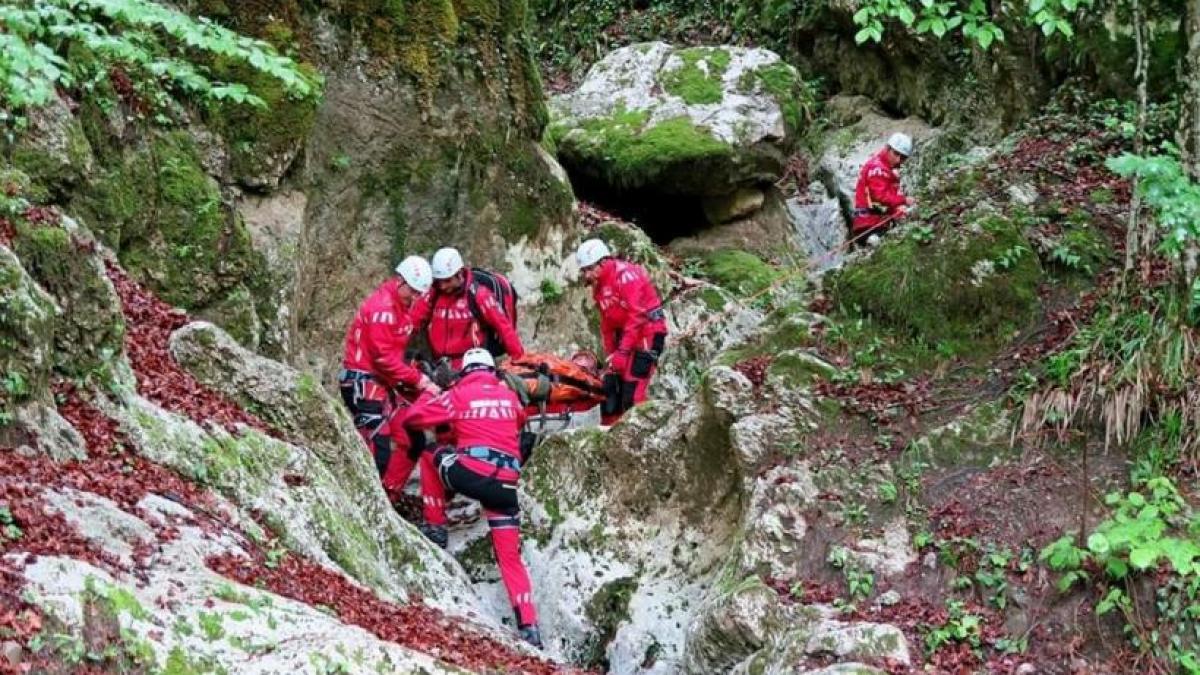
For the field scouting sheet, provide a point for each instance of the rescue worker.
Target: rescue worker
(878, 199)
(456, 324)
(374, 369)
(633, 326)
(484, 463)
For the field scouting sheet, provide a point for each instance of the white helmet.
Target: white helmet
(477, 357)
(416, 273)
(446, 263)
(901, 143)
(591, 252)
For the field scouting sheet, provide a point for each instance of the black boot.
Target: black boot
(531, 634)
(437, 534)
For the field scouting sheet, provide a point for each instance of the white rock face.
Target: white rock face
(187, 614)
(819, 227)
(718, 92)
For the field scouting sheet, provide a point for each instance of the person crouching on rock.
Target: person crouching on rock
(484, 464)
(374, 369)
(633, 325)
(878, 199)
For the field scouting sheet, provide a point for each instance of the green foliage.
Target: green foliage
(46, 44)
(972, 18)
(1166, 188)
(8, 525)
(860, 583)
(961, 627)
(552, 292)
(1151, 534)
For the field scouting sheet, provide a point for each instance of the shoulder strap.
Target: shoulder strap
(472, 303)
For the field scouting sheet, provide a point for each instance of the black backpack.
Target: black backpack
(506, 296)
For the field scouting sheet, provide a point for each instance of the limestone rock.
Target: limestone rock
(68, 263)
(40, 426)
(324, 501)
(697, 121)
(193, 620)
(766, 231)
(293, 402)
(820, 227)
(726, 208)
(53, 150)
(101, 522)
(732, 626)
(28, 319)
(860, 640)
(775, 525)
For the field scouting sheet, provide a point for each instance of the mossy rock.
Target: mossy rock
(262, 141)
(62, 258)
(740, 272)
(625, 151)
(697, 76)
(166, 219)
(975, 285)
(607, 609)
(28, 320)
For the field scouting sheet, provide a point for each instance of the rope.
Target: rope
(802, 268)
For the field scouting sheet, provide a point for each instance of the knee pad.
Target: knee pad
(369, 415)
(383, 452)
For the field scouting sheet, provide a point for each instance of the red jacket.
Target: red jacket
(630, 310)
(378, 336)
(481, 410)
(453, 328)
(878, 186)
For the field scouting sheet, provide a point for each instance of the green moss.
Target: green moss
(783, 83)
(257, 137)
(86, 344)
(972, 285)
(165, 217)
(606, 609)
(28, 320)
(630, 153)
(697, 80)
(738, 271)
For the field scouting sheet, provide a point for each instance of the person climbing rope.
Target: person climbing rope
(633, 326)
(463, 312)
(484, 464)
(878, 199)
(374, 370)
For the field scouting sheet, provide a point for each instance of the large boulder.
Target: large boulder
(684, 121)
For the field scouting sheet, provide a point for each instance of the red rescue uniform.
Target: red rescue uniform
(372, 366)
(454, 328)
(878, 200)
(485, 463)
(632, 326)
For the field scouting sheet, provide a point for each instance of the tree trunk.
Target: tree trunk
(1135, 239)
(1189, 118)
(1189, 121)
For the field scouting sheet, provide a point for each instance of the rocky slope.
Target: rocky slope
(828, 481)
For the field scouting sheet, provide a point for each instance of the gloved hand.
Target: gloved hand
(426, 384)
(618, 361)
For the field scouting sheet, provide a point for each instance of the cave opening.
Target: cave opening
(663, 217)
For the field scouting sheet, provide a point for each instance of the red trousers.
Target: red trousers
(496, 490)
